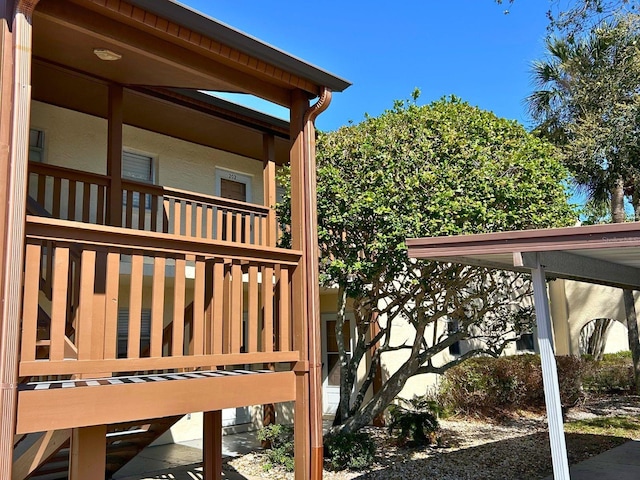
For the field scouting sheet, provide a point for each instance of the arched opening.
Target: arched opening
(602, 335)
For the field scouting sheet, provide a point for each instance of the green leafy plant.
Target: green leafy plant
(414, 421)
(612, 374)
(280, 437)
(354, 451)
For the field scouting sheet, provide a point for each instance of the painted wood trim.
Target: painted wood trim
(43, 410)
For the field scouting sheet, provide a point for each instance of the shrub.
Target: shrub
(281, 452)
(487, 385)
(354, 451)
(612, 374)
(415, 422)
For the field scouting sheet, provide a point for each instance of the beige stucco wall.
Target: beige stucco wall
(79, 141)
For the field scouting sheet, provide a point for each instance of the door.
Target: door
(331, 360)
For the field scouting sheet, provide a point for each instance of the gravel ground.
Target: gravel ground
(517, 447)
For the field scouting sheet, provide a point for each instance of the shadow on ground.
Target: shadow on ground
(524, 458)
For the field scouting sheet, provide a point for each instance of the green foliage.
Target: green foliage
(281, 452)
(415, 421)
(612, 374)
(619, 426)
(490, 386)
(354, 451)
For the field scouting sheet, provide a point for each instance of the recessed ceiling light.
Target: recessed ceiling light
(108, 55)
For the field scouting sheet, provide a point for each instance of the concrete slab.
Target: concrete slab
(620, 463)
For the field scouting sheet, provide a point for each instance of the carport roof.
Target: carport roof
(604, 254)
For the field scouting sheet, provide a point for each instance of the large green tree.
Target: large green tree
(588, 103)
(443, 169)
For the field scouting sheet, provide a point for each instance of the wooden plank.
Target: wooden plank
(57, 192)
(99, 299)
(157, 306)
(142, 203)
(154, 213)
(236, 307)
(30, 302)
(59, 302)
(177, 347)
(48, 444)
(209, 231)
(229, 226)
(71, 201)
(253, 307)
(227, 310)
(238, 234)
(111, 305)
(212, 451)
(166, 215)
(100, 219)
(246, 229)
(135, 306)
(177, 217)
(199, 208)
(267, 309)
(61, 408)
(219, 281)
(188, 219)
(219, 223)
(42, 189)
(284, 315)
(86, 203)
(85, 306)
(128, 222)
(197, 325)
(88, 455)
(66, 367)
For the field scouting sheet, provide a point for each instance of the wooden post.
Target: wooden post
(212, 445)
(299, 280)
(15, 103)
(549, 375)
(114, 155)
(269, 187)
(87, 460)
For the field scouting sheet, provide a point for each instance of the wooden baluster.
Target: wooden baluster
(284, 309)
(154, 213)
(57, 192)
(128, 222)
(177, 348)
(166, 216)
(111, 305)
(236, 307)
(263, 231)
(199, 208)
(100, 213)
(48, 273)
(188, 218)
(42, 190)
(177, 217)
(209, 225)
(219, 287)
(267, 309)
(238, 237)
(84, 317)
(197, 326)
(157, 306)
(246, 228)
(219, 223)
(226, 331)
(71, 201)
(142, 210)
(229, 226)
(30, 302)
(86, 203)
(135, 306)
(254, 304)
(59, 302)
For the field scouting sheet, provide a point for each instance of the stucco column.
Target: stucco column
(560, 316)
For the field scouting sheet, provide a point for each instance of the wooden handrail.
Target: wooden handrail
(79, 232)
(218, 201)
(68, 173)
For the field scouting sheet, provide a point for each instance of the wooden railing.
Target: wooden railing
(74, 195)
(241, 299)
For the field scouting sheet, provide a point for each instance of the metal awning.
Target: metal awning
(603, 254)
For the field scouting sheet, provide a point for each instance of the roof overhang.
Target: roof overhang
(604, 254)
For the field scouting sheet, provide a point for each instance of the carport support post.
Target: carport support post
(549, 375)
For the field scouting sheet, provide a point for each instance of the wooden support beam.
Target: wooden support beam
(114, 155)
(269, 188)
(87, 460)
(212, 445)
(42, 449)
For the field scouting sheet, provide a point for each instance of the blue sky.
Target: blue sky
(469, 48)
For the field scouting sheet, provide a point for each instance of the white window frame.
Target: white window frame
(41, 149)
(235, 177)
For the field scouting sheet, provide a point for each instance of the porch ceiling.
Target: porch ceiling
(603, 254)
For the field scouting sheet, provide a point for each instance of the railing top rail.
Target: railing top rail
(68, 173)
(139, 240)
(224, 202)
(142, 187)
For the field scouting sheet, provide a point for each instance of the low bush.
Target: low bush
(414, 421)
(612, 374)
(488, 385)
(354, 451)
(281, 452)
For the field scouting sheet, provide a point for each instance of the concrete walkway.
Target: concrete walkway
(620, 463)
(183, 462)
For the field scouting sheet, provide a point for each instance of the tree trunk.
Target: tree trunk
(597, 340)
(632, 330)
(617, 202)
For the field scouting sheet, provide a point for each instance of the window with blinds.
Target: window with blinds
(138, 168)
